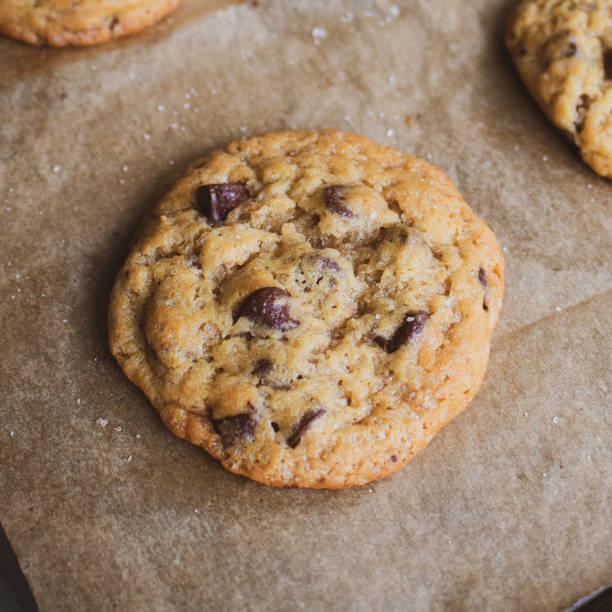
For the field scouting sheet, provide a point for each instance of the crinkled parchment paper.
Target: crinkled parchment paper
(508, 508)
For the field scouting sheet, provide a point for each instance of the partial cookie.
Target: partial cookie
(308, 307)
(80, 22)
(563, 52)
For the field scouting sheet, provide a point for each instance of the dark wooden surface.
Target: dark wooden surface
(15, 593)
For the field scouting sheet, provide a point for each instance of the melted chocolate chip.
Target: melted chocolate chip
(235, 427)
(215, 201)
(607, 63)
(410, 327)
(275, 426)
(482, 277)
(303, 425)
(268, 306)
(335, 199)
(394, 458)
(262, 367)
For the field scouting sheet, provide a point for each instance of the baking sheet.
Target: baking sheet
(508, 508)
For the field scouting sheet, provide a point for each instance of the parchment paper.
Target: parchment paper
(508, 508)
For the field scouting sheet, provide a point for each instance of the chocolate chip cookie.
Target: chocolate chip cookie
(563, 52)
(308, 307)
(78, 22)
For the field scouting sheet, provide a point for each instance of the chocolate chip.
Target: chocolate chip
(262, 367)
(485, 306)
(327, 262)
(268, 306)
(607, 62)
(411, 326)
(482, 277)
(275, 426)
(216, 200)
(235, 427)
(394, 458)
(335, 199)
(303, 425)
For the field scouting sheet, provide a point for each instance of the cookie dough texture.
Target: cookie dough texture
(563, 52)
(308, 307)
(78, 22)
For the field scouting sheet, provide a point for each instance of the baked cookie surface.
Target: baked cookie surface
(563, 52)
(78, 22)
(308, 307)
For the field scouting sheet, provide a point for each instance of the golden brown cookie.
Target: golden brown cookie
(78, 22)
(563, 52)
(308, 307)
